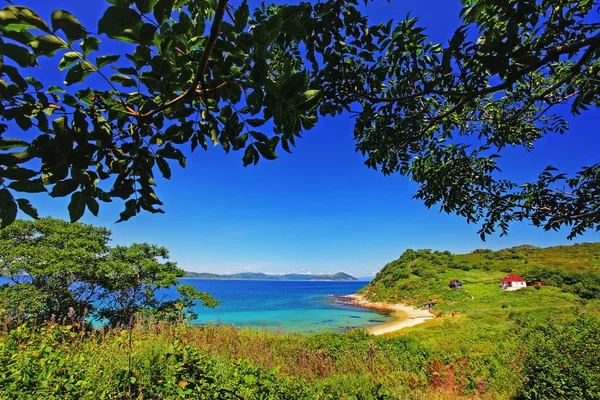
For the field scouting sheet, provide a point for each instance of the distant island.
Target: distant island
(259, 276)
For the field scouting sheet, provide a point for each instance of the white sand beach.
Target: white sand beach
(404, 316)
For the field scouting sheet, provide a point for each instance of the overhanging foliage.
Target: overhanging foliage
(209, 71)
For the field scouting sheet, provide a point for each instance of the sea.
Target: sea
(292, 306)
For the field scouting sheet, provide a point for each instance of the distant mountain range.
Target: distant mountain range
(257, 276)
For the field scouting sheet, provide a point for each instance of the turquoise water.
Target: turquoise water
(298, 306)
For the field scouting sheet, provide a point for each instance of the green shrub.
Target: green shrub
(563, 362)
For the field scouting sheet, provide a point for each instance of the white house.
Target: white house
(513, 282)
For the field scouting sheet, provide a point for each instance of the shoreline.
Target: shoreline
(404, 316)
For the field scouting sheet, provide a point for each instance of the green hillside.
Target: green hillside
(511, 340)
(423, 275)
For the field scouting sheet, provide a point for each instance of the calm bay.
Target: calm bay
(296, 306)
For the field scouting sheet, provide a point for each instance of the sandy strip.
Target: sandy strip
(404, 316)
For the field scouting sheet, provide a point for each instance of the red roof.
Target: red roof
(513, 278)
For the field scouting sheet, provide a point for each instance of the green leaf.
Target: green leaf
(294, 28)
(164, 167)
(18, 18)
(18, 174)
(70, 25)
(47, 45)
(15, 76)
(7, 144)
(8, 208)
(77, 206)
(15, 158)
(308, 100)
(23, 37)
(60, 124)
(261, 137)
(55, 89)
(131, 209)
(23, 121)
(64, 188)
(69, 59)
(163, 10)
(266, 150)
(18, 54)
(120, 23)
(27, 208)
(147, 34)
(250, 156)
(365, 55)
(78, 72)
(102, 61)
(145, 6)
(124, 80)
(240, 17)
(37, 85)
(89, 44)
(259, 71)
(285, 145)
(92, 205)
(293, 85)
(27, 186)
(81, 176)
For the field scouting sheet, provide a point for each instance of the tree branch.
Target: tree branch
(593, 42)
(199, 76)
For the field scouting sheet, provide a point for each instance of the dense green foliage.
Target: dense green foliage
(215, 363)
(53, 263)
(67, 272)
(563, 362)
(338, 276)
(535, 343)
(201, 72)
(452, 359)
(537, 328)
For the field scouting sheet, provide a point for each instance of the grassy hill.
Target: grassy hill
(507, 342)
(424, 275)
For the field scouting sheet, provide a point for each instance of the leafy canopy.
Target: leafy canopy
(211, 71)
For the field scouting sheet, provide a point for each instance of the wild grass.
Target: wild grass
(484, 351)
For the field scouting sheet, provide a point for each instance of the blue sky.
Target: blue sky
(318, 210)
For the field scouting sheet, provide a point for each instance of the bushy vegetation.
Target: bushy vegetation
(449, 359)
(56, 271)
(170, 361)
(563, 362)
(535, 343)
(423, 275)
(57, 362)
(527, 330)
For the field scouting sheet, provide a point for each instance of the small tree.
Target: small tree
(66, 272)
(134, 278)
(54, 264)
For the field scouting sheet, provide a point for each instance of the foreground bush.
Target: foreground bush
(182, 361)
(459, 359)
(563, 362)
(57, 362)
